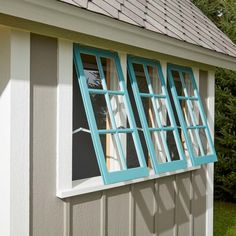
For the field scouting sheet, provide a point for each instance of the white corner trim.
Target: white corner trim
(210, 167)
(5, 103)
(72, 18)
(64, 114)
(20, 132)
(15, 135)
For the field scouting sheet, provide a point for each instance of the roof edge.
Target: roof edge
(62, 15)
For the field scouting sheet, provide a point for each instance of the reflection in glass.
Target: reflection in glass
(110, 73)
(186, 83)
(111, 152)
(91, 71)
(155, 80)
(119, 111)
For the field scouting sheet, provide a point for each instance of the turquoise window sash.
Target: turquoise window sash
(200, 159)
(158, 166)
(124, 174)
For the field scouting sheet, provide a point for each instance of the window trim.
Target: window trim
(65, 186)
(196, 160)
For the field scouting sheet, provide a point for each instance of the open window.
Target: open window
(156, 115)
(109, 114)
(198, 141)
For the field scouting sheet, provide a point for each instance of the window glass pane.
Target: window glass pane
(155, 80)
(119, 111)
(196, 142)
(140, 78)
(100, 111)
(178, 84)
(160, 146)
(131, 153)
(165, 146)
(119, 151)
(174, 154)
(205, 142)
(191, 112)
(91, 71)
(111, 152)
(189, 84)
(197, 138)
(162, 111)
(110, 73)
(186, 83)
(149, 112)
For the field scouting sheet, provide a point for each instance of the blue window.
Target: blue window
(123, 129)
(191, 115)
(156, 115)
(110, 118)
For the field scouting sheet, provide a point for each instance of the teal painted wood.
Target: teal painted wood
(170, 165)
(125, 174)
(203, 158)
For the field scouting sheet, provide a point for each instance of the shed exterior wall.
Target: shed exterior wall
(168, 206)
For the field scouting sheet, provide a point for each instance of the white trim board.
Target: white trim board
(209, 168)
(15, 132)
(96, 183)
(71, 18)
(65, 186)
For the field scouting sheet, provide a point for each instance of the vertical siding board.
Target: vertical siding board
(117, 212)
(46, 209)
(85, 214)
(199, 202)
(144, 195)
(166, 206)
(131, 210)
(183, 204)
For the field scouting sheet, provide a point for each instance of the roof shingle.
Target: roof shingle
(177, 19)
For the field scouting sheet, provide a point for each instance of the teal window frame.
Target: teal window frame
(196, 160)
(170, 165)
(114, 176)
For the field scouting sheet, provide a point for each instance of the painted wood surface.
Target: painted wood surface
(168, 206)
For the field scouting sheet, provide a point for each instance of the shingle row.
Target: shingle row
(179, 19)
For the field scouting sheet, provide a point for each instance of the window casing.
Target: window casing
(67, 189)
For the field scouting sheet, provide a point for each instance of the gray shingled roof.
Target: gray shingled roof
(179, 19)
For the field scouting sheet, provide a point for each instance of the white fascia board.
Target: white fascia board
(75, 19)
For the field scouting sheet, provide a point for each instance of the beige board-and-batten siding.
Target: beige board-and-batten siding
(168, 206)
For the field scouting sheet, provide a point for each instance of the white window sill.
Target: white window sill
(96, 183)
